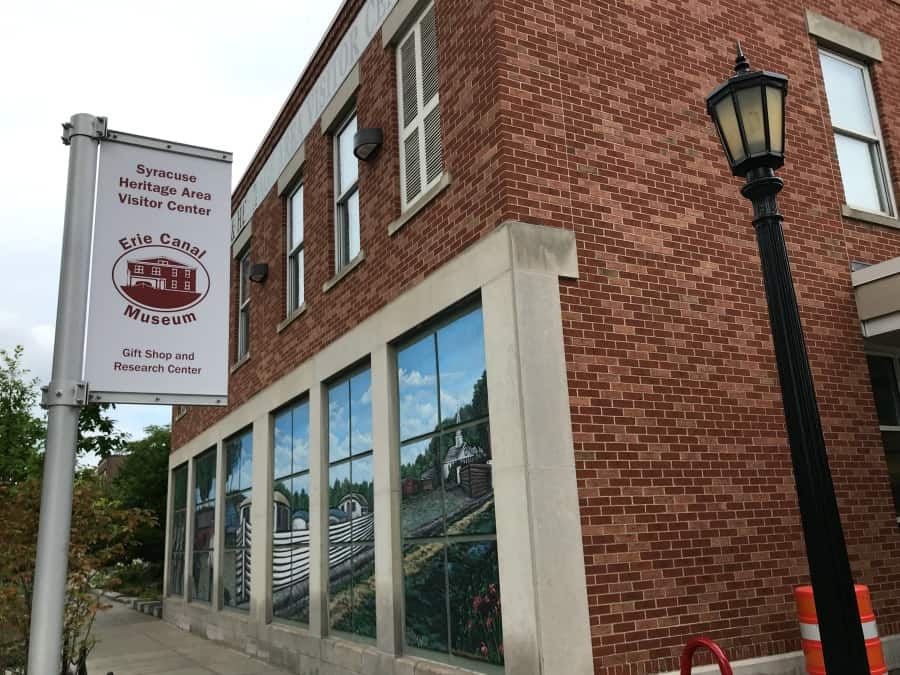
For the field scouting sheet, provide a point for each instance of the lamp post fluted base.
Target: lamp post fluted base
(829, 567)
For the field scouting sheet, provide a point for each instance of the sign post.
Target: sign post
(64, 397)
(157, 330)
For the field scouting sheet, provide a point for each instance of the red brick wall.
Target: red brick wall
(685, 482)
(469, 208)
(589, 115)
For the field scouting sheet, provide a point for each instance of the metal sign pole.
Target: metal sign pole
(64, 397)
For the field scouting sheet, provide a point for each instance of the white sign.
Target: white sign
(158, 308)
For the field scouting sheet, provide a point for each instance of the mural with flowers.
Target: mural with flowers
(451, 580)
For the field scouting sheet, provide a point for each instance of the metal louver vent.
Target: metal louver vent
(408, 79)
(429, 57)
(434, 152)
(413, 168)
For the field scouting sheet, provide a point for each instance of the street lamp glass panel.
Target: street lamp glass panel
(751, 105)
(775, 108)
(731, 132)
(848, 100)
(859, 167)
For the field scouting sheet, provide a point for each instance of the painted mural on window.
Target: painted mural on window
(238, 500)
(351, 500)
(204, 525)
(451, 579)
(179, 523)
(290, 541)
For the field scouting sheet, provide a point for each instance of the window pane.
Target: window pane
(234, 505)
(339, 421)
(360, 503)
(348, 169)
(232, 464)
(860, 172)
(176, 558)
(296, 218)
(283, 442)
(352, 207)
(235, 578)
(884, 387)
(848, 99)
(892, 453)
(339, 502)
(301, 437)
(475, 625)
(205, 469)
(204, 522)
(361, 412)
(340, 587)
(244, 279)
(417, 383)
(468, 484)
(300, 502)
(297, 289)
(179, 488)
(364, 590)
(461, 366)
(425, 595)
(290, 583)
(201, 577)
(422, 502)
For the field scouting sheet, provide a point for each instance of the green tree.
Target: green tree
(101, 533)
(21, 433)
(142, 482)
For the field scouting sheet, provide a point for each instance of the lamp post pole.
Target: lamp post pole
(829, 567)
(748, 111)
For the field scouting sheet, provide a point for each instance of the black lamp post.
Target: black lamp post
(748, 111)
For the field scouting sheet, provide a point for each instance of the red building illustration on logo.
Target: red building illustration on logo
(161, 282)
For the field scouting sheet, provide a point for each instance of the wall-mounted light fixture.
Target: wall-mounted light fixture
(259, 272)
(366, 142)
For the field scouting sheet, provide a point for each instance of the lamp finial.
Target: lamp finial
(741, 64)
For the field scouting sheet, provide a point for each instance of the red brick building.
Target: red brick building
(162, 273)
(547, 259)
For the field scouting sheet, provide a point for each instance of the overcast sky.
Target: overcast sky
(200, 72)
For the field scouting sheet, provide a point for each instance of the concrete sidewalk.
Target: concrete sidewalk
(131, 643)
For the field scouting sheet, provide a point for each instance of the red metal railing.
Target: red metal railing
(693, 645)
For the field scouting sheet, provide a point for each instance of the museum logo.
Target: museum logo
(160, 278)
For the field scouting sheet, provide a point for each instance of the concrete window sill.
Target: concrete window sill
(869, 217)
(238, 364)
(290, 318)
(420, 203)
(345, 270)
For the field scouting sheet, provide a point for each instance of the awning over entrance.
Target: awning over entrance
(877, 290)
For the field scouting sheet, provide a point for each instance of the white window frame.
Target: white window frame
(883, 176)
(342, 237)
(295, 257)
(155, 271)
(138, 269)
(418, 122)
(243, 322)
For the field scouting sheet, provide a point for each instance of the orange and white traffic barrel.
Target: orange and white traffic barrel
(812, 642)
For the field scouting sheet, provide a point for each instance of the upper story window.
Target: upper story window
(346, 191)
(295, 250)
(243, 327)
(857, 134)
(155, 271)
(138, 269)
(421, 149)
(884, 371)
